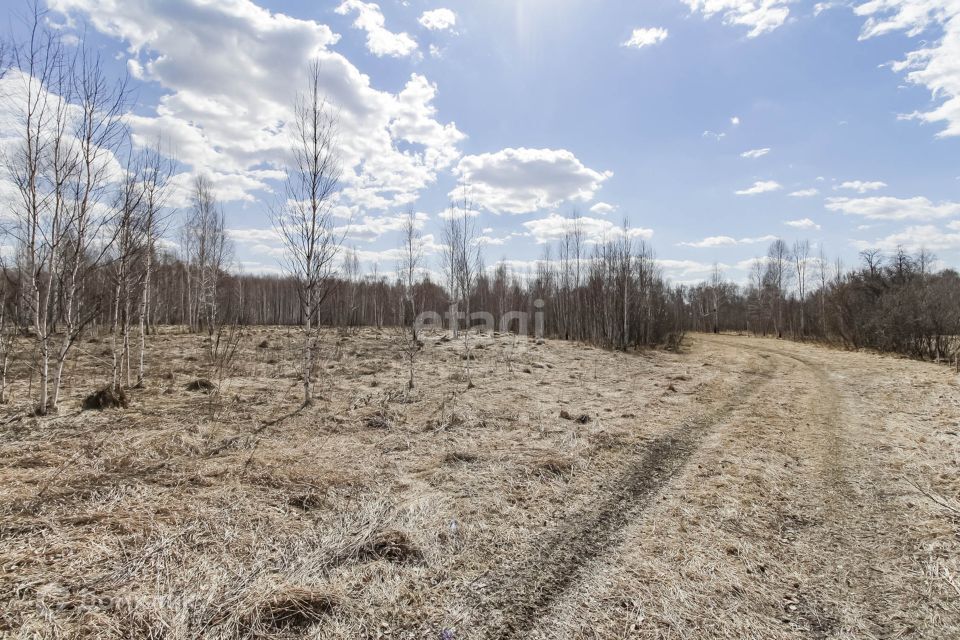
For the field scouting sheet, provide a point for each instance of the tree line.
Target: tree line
(898, 303)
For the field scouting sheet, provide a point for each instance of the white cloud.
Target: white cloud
(726, 241)
(716, 136)
(646, 37)
(820, 7)
(760, 16)
(862, 187)
(262, 242)
(763, 186)
(555, 226)
(735, 121)
(888, 208)
(380, 41)
(936, 64)
(603, 208)
(438, 19)
(684, 269)
(803, 223)
(227, 71)
(913, 239)
(755, 153)
(371, 228)
(525, 180)
(804, 193)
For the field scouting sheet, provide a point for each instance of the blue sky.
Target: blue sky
(544, 109)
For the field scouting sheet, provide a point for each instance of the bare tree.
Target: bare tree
(126, 248)
(100, 135)
(801, 259)
(208, 252)
(777, 276)
(156, 176)
(716, 293)
(822, 278)
(7, 329)
(409, 265)
(305, 220)
(39, 166)
(462, 263)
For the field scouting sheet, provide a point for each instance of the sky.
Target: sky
(710, 126)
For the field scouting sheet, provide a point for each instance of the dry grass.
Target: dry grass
(240, 514)
(383, 512)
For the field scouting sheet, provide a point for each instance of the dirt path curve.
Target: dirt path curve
(557, 558)
(784, 510)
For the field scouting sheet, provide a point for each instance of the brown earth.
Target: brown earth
(745, 488)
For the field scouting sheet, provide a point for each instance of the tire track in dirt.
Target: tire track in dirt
(845, 587)
(558, 557)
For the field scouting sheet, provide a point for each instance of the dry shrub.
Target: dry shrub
(378, 420)
(580, 419)
(293, 608)
(391, 545)
(554, 466)
(264, 344)
(460, 456)
(307, 501)
(201, 384)
(106, 398)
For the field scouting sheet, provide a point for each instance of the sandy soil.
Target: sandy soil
(745, 488)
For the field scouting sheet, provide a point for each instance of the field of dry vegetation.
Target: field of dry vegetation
(743, 488)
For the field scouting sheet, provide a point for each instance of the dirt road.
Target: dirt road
(818, 499)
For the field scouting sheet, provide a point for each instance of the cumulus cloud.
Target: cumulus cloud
(803, 223)
(760, 16)
(936, 64)
(861, 186)
(914, 239)
(225, 71)
(438, 19)
(603, 208)
(370, 228)
(755, 153)
(804, 193)
(726, 241)
(380, 40)
(686, 270)
(555, 226)
(525, 180)
(889, 208)
(763, 186)
(263, 242)
(646, 37)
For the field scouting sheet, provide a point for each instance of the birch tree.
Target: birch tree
(409, 265)
(38, 167)
(305, 219)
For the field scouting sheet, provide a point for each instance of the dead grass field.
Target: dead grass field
(745, 488)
